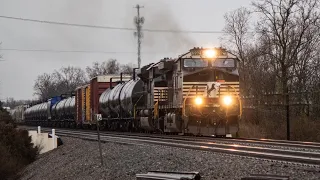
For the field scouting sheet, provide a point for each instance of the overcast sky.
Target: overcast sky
(20, 69)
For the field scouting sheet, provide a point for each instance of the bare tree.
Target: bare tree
(239, 39)
(95, 70)
(237, 29)
(289, 27)
(12, 103)
(127, 69)
(45, 86)
(112, 66)
(69, 78)
(283, 55)
(107, 67)
(63, 81)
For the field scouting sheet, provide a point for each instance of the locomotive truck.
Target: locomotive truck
(196, 93)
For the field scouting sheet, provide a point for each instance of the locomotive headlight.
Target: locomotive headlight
(198, 101)
(227, 100)
(209, 53)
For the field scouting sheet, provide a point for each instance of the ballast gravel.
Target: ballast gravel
(79, 159)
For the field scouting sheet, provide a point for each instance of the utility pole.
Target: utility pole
(288, 115)
(138, 21)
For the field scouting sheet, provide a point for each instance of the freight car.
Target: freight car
(87, 99)
(72, 110)
(196, 93)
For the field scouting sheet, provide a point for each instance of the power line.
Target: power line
(63, 51)
(66, 24)
(78, 51)
(110, 27)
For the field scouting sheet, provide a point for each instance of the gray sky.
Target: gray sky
(20, 69)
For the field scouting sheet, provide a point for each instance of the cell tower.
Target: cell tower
(138, 21)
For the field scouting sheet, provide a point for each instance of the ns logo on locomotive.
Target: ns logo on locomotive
(196, 93)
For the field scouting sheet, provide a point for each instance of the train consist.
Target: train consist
(196, 93)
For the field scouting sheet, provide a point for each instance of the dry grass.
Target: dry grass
(302, 129)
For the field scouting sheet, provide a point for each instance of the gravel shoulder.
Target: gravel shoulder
(79, 159)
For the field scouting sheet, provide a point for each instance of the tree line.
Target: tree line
(278, 44)
(66, 79)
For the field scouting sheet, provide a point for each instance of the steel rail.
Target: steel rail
(279, 143)
(258, 152)
(238, 147)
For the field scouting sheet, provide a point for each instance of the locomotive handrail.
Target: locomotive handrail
(184, 102)
(240, 104)
(156, 105)
(134, 107)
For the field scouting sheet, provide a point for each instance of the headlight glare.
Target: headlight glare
(227, 100)
(198, 101)
(209, 53)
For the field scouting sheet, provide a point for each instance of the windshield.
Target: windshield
(195, 63)
(223, 63)
(219, 63)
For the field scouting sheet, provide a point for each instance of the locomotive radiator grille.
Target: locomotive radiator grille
(201, 88)
(229, 88)
(160, 93)
(193, 89)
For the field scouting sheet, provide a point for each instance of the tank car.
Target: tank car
(118, 103)
(63, 113)
(41, 114)
(88, 97)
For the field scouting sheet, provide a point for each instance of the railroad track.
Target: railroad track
(299, 145)
(206, 144)
(307, 146)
